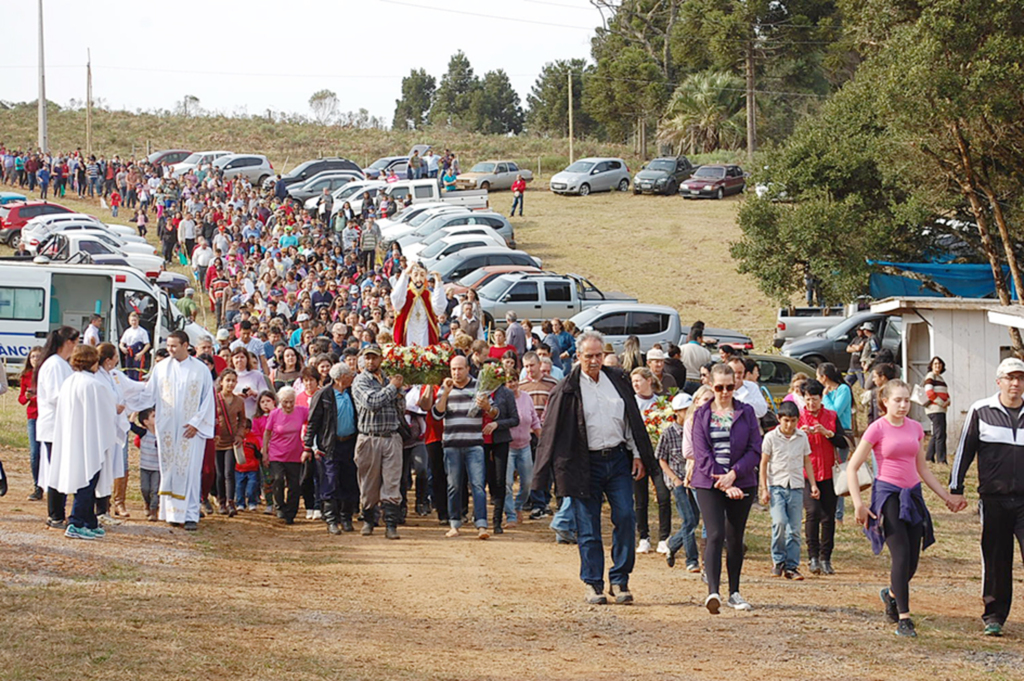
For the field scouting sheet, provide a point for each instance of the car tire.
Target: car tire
(624, 185)
(263, 178)
(672, 188)
(584, 189)
(14, 240)
(813, 361)
(486, 186)
(720, 193)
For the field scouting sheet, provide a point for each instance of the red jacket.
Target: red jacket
(251, 445)
(823, 453)
(31, 410)
(519, 186)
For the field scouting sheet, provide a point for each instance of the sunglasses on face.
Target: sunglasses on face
(725, 388)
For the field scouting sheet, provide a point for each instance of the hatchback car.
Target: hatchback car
(592, 175)
(14, 216)
(714, 182)
(380, 167)
(305, 171)
(168, 156)
(662, 176)
(254, 167)
(462, 263)
(195, 161)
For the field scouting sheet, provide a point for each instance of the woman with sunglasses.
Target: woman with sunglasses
(726, 451)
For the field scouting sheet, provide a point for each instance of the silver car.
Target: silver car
(592, 175)
(196, 160)
(254, 167)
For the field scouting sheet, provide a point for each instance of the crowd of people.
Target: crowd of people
(288, 405)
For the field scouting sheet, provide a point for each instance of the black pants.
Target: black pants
(937, 444)
(904, 542)
(368, 259)
(224, 483)
(56, 502)
(820, 520)
(438, 479)
(308, 486)
(338, 477)
(1002, 519)
(725, 520)
(286, 474)
(496, 458)
(410, 465)
(641, 500)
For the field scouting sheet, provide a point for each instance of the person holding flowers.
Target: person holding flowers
(497, 436)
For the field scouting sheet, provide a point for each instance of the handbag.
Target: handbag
(238, 449)
(865, 476)
(919, 396)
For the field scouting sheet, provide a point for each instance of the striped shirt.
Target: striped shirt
(721, 425)
(539, 392)
(149, 460)
(463, 423)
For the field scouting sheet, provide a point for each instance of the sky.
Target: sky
(250, 55)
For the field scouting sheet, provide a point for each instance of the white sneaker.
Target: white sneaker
(663, 547)
(644, 546)
(317, 515)
(309, 514)
(251, 507)
(736, 602)
(713, 603)
(109, 520)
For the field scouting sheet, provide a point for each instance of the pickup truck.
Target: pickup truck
(540, 296)
(794, 322)
(650, 324)
(426, 191)
(492, 175)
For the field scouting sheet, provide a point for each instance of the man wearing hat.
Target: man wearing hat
(295, 340)
(871, 345)
(994, 433)
(223, 339)
(187, 305)
(378, 456)
(673, 466)
(656, 363)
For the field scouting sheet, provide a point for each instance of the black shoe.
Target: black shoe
(56, 524)
(536, 514)
(891, 611)
(443, 522)
(670, 558)
(191, 526)
(367, 529)
(498, 529)
(826, 567)
(333, 528)
(208, 507)
(777, 570)
(346, 525)
(814, 567)
(289, 521)
(37, 495)
(905, 627)
(391, 532)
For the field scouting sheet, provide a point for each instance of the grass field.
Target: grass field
(250, 598)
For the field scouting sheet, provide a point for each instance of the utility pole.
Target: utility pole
(88, 102)
(44, 142)
(572, 158)
(751, 106)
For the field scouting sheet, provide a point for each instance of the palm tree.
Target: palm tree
(705, 113)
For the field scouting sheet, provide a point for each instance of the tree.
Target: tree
(624, 92)
(453, 100)
(549, 101)
(496, 109)
(324, 104)
(705, 113)
(417, 95)
(188, 106)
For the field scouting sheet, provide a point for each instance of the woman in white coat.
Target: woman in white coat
(53, 371)
(84, 442)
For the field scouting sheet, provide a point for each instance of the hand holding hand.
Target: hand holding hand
(734, 493)
(490, 428)
(956, 502)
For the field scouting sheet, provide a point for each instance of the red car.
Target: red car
(478, 278)
(13, 217)
(713, 182)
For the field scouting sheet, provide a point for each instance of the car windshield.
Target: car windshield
(193, 159)
(473, 277)
(580, 167)
(380, 163)
(434, 249)
(710, 173)
(664, 166)
(494, 288)
(349, 191)
(482, 168)
(297, 170)
(439, 234)
(843, 330)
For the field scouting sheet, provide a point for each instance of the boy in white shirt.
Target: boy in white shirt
(785, 458)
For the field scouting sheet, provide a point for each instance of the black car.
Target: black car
(460, 264)
(830, 345)
(305, 171)
(662, 176)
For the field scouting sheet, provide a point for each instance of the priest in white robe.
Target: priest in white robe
(83, 442)
(417, 307)
(181, 388)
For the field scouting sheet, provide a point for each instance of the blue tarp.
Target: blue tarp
(967, 281)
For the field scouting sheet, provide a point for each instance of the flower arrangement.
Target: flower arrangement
(657, 418)
(492, 376)
(416, 364)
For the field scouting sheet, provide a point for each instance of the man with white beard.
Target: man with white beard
(417, 308)
(182, 389)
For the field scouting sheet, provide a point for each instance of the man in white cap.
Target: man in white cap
(223, 339)
(295, 340)
(870, 347)
(187, 305)
(994, 433)
(673, 465)
(656, 363)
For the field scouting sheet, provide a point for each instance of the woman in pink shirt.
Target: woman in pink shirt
(282, 441)
(898, 517)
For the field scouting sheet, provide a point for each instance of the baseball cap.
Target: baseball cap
(1010, 365)
(223, 335)
(656, 353)
(303, 317)
(189, 291)
(681, 401)
(867, 326)
(339, 328)
(371, 349)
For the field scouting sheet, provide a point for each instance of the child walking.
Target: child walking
(247, 480)
(785, 459)
(149, 462)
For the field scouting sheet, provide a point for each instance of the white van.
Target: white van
(37, 298)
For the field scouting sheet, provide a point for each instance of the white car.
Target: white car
(75, 217)
(414, 249)
(395, 232)
(66, 246)
(34, 234)
(196, 161)
(353, 194)
(110, 240)
(442, 248)
(407, 214)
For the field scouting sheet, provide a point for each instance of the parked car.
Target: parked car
(715, 337)
(14, 216)
(428, 191)
(542, 296)
(462, 263)
(394, 231)
(308, 169)
(125, 232)
(404, 215)
(34, 234)
(352, 192)
(449, 246)
(11, 197)
(254, 167)
(414, 250)
(492, 175)
(714, 182)
(477, 278)
(662, 176)
(330, 180)
(168, 157)
(800, 321)
(196, 160)
(61, 247)
(592, 175)
(448, 219)
(830, 345)
(649, 323)
(776, 373)
(381, 166)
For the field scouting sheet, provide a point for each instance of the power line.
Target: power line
(487, 16)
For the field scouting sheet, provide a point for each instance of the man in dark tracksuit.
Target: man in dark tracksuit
(994, 432)
(331, 438)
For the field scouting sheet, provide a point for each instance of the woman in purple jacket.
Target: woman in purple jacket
(726, 449)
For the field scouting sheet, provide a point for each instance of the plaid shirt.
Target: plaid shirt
(670, 448)
(377, 405)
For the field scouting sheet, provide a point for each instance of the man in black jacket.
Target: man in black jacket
(595, 444)
(994, 432)
(331, 438)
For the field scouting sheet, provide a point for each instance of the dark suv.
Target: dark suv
(304, 171)
(662, 176)
(13, 217)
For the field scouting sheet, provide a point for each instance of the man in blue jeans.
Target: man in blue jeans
(595, 445)
(461, 409)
